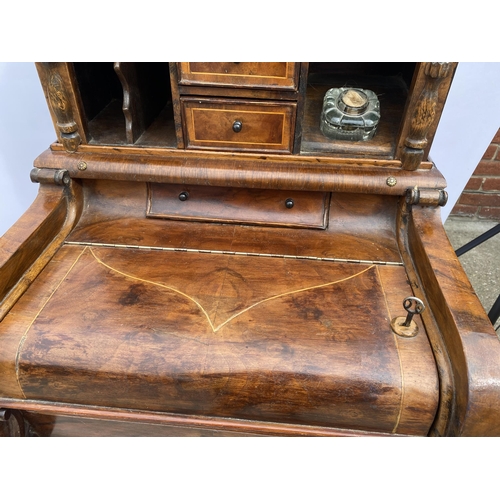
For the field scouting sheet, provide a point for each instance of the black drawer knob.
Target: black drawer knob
(289, 203)
(184, 196)
(237, 126)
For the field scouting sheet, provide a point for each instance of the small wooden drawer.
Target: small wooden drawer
(238, 125)
(259, 75)
(261, 207)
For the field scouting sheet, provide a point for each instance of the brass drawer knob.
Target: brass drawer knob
(237, 126)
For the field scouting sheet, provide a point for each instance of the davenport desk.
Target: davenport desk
(210, 253)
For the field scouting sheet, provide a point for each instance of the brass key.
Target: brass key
(406, 327)
(418, 308)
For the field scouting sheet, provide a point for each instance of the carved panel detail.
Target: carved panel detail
(60, 105)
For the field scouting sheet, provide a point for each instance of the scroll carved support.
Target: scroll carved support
(11, 423)
(60, 104)
(424, 114)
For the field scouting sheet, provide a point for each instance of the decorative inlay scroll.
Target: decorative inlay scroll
(213, 327)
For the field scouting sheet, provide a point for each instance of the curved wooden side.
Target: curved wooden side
(471, 344)
(28, 245)
(26, 249)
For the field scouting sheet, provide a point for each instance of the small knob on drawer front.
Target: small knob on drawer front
(184, 196)
(289, 203)
(237, 126)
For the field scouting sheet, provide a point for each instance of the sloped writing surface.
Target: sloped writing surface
(209, 334)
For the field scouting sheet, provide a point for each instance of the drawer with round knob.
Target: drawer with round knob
(236, 125)
(256, 207)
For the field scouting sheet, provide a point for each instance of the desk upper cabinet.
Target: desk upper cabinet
(246, 107)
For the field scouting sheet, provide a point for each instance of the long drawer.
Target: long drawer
(238, 125)
(261, 207)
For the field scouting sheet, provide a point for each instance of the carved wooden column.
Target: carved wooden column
(424, 114)
(61, 104)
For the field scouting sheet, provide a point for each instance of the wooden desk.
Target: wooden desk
(201, 260)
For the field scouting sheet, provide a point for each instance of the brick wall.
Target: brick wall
(481, 196)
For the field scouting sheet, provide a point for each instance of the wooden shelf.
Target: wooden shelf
(108, 127)
(392, 92)
(161, 133)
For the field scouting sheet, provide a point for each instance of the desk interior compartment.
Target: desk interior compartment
(391, 83)
(127, 103)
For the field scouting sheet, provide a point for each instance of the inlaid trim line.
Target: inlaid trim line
(230, 252)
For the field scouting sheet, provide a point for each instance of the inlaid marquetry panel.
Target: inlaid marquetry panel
(238, 124)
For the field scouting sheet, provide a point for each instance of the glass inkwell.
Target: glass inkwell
(350, 114)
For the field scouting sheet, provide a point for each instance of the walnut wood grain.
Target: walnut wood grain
(359, 227)
(37, 226)
(265, 125)
(116, 323)
(410, 354)
(469, 338)
(108, 127)
(238, 206)
(65, 426)
(10, 338)
(243, 93)
(50, 418)
(25, 251)
(58, 82)
(239, 355)
(265, 75)
(429, 92)
(30, 244)
(260, 172)
(156, 152)
(445, 410)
